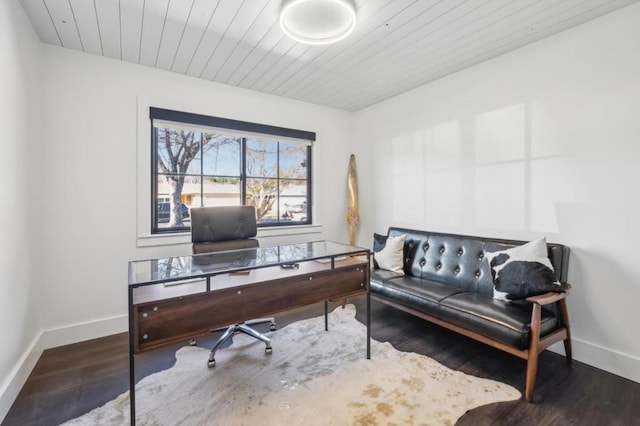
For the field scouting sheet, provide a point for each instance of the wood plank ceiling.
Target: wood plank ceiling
(397, 44)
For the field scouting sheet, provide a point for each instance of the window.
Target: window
(199, 160)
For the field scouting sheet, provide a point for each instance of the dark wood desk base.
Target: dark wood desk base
(159, 315)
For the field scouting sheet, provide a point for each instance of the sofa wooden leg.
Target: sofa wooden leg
(564, 313)
(532, 369)
(532, 362)
(567, 347)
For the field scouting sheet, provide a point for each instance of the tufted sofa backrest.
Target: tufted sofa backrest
(459, 259)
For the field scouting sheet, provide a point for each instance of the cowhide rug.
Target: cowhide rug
(313, 377)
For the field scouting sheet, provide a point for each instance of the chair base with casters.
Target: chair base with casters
(243, 328)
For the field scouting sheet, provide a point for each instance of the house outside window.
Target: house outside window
(200, 160)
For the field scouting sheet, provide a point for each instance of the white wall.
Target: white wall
(96, 124)
(541, 141)
(19, 81)
(544, 141)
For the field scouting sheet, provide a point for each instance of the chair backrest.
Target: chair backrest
(223, 228)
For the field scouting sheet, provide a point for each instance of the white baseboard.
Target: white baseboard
(83, 331)
(618, 363)
(12, 386)
(47, 339)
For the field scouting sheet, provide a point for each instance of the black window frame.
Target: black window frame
(236, 126)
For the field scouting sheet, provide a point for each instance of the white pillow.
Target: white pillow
(391, 256)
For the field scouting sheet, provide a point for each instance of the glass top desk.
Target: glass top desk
(179, 298)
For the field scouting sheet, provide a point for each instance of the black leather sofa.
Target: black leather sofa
(448, 281)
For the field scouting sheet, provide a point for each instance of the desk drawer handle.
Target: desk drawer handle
(145, 337)
(310, 278)
(239, 292)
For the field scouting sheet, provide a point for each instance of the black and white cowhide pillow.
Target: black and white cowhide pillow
(522, 271)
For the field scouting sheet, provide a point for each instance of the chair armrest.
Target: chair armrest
(551, 297)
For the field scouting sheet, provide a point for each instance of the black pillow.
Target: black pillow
(522, 271)
(379, 241)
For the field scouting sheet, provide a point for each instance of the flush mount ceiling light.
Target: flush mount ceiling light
(318, 21)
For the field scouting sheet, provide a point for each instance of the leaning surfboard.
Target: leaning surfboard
(353, 214)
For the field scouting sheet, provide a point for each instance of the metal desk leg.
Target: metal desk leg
(132, 362)
(368, 326)
(326, 315)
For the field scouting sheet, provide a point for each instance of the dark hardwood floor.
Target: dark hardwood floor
(72, 380)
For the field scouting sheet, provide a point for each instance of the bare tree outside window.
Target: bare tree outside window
(176, 150)
(272, 169)
(198, 162)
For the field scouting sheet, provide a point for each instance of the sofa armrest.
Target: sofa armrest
(551, 297)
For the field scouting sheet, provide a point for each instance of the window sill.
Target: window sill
(185, 237)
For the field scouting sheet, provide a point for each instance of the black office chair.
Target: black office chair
(215, 229)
